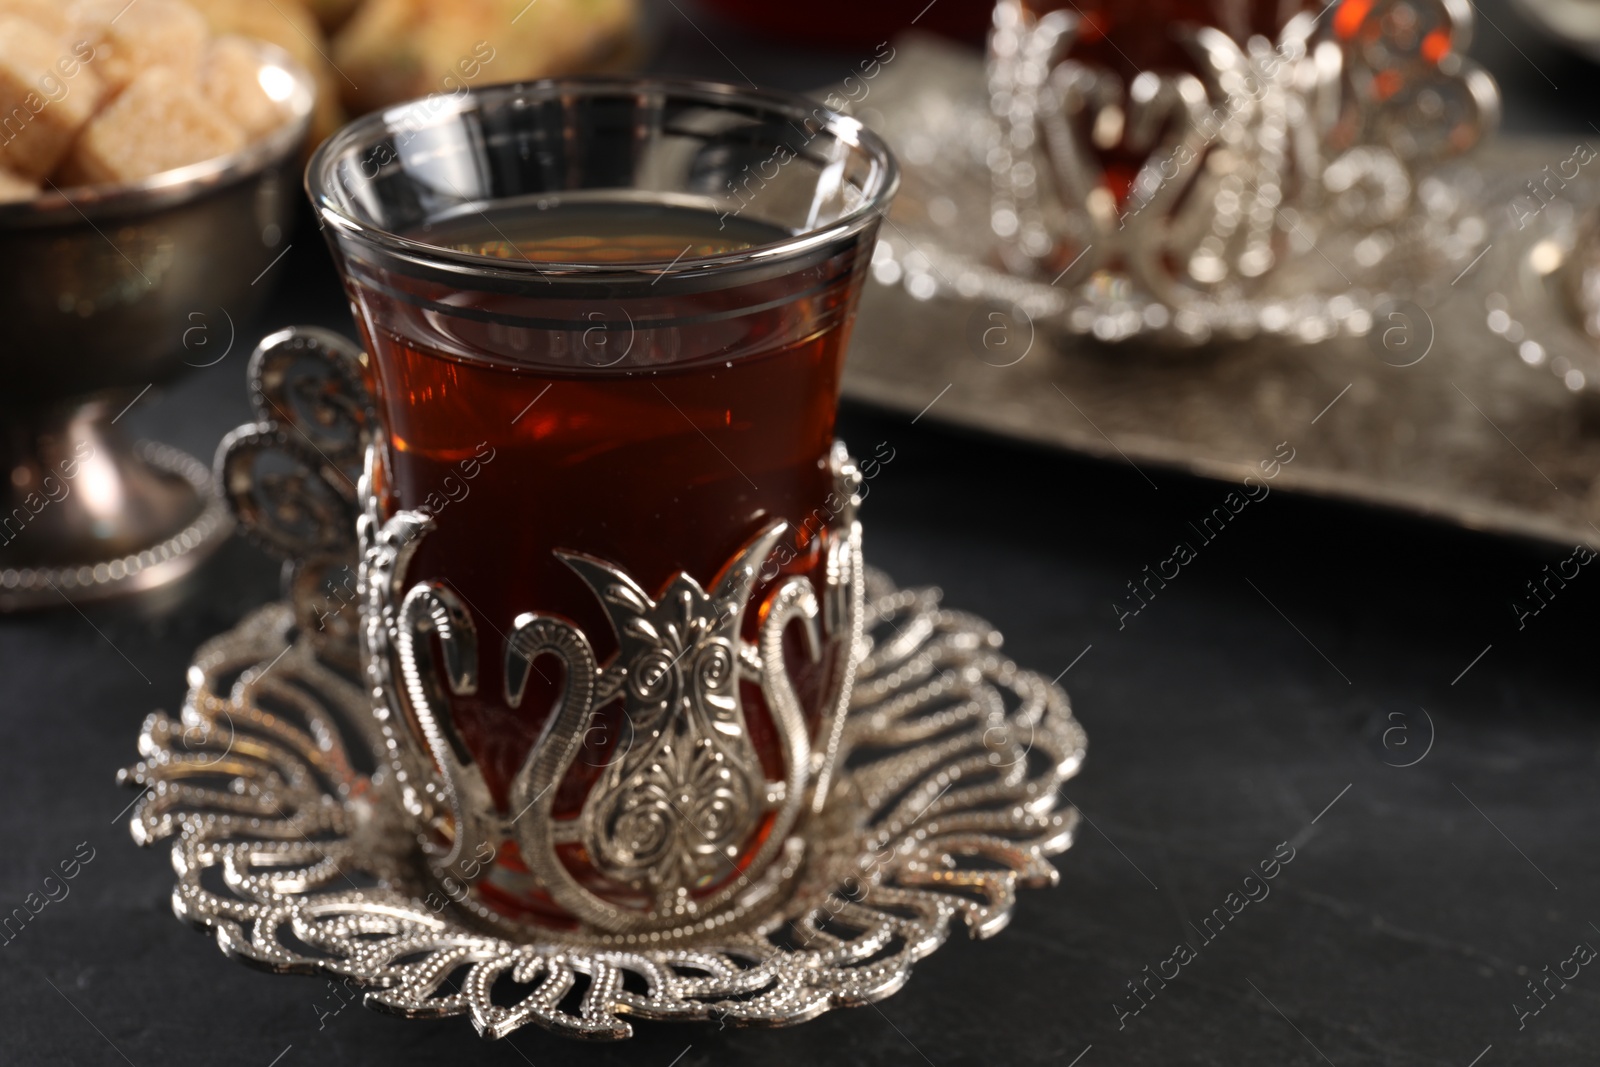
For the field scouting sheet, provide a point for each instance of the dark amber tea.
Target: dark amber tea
(662, 433)
(606, 341)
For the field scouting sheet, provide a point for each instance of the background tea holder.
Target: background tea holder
(1283, 188)
(1497, 345)
(298, 859)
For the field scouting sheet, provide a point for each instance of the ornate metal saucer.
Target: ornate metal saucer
(297, 861)
(943, 798)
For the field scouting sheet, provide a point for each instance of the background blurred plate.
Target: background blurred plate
(1434, 412)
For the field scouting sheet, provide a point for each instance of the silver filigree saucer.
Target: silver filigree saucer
(299, 862)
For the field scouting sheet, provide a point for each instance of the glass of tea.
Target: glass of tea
(612, 565)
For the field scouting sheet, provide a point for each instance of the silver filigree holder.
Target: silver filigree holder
(671, 812)
(1288, 187)
(927, 794)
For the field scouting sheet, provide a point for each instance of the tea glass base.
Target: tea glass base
(947, 803)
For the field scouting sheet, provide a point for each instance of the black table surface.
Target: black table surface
(1350, 684)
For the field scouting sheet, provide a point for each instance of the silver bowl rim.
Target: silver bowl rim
(86, 203)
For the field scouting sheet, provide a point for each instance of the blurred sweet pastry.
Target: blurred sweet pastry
(42, 105)
(291, 26)
(394, 50)
(49, 15)
(161, 121)
(117, 91)
(14, 187)
(108, 91)
(129, 39)
(230, 76)
(332, 13)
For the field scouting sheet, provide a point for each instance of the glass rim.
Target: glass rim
(369, 128)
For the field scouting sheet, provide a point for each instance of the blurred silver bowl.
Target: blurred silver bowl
(105, 291)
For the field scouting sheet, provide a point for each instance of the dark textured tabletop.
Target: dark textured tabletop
(1346, 696)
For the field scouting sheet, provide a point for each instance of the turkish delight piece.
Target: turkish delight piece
(41, 110)
(160, 122)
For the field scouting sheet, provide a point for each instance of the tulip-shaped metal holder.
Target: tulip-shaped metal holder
(673, 810)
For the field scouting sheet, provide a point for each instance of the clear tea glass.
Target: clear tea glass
(606, 321)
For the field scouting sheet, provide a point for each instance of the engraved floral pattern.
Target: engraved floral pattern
(675, 810)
